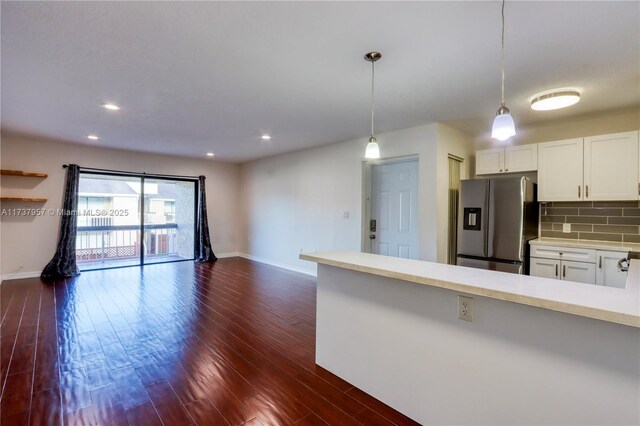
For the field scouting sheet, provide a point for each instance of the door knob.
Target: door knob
(372, 236)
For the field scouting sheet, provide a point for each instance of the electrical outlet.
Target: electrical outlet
(465, 308)
(566, 228)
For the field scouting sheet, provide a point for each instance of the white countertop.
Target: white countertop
(588, 244)
(621, 306)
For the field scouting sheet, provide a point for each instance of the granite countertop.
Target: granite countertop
(588, 244)
(621, 306)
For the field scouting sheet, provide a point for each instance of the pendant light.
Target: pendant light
(373, 150)
(503, 126)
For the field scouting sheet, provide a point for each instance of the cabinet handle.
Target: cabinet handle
(556, 269)
(578, 191)
(500, 170)
(564, 271)
(506, 170)
(587, 191)
(600, 262)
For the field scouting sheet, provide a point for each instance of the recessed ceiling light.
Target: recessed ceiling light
(112, 107)
(210, 154)
(265, 137)
(555, 100)
(92, 137)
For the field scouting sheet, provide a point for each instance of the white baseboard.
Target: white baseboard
(278, 265)
(225, 255)
(21, 275)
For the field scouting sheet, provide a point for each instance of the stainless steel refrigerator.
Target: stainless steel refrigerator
(497, 218)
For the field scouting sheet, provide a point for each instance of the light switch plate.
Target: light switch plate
(566, 228)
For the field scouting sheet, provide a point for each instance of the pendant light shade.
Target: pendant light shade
(503, 126)
(373, 150)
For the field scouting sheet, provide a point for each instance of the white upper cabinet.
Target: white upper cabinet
(519, 158)
(560, 167)
(490, 161)
(611, 167)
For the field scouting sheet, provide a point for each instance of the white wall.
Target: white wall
(402, 343)
(28, 242)
(450, 141)
(296, 202)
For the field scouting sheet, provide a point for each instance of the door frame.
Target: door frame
(365, 241)
(142, 176)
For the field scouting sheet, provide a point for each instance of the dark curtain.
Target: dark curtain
(63, 264)
(204, 253)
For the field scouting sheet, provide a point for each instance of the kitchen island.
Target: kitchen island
(538, 351)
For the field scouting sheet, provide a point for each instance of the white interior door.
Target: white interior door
(394, 207)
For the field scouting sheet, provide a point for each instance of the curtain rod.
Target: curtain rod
(131, 173)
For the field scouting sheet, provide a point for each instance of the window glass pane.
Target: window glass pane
(169, 220)
(108, 229)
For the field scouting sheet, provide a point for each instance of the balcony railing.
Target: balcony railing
(105, 242)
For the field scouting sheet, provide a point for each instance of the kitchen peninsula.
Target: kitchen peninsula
(538, 351)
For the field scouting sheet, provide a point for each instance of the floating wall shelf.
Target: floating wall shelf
(31, 200)
(7, 172)
(21, 173)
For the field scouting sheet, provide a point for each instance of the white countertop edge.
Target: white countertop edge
(620, 306)
(587, 244)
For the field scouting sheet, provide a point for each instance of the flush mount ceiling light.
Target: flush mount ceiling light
(373, 150)
(556, 99)
(92, 137)
(503, 126)
(112, 107)
(210, 154)
(265, 137)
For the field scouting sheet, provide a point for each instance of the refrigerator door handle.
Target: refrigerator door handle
(490, 229)
(556, 269)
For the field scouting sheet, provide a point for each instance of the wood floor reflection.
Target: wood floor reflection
(174, 344)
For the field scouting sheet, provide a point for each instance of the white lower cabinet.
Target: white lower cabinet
(607, 273)
(545, 268)
(565, 270)
(579, 272)
(580, 265)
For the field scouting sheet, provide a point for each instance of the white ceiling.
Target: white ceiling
(212, 76)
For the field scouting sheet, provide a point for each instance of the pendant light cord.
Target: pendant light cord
(502, 56)
(373, 68)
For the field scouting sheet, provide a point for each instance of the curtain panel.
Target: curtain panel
(204, 252)
(63, 264)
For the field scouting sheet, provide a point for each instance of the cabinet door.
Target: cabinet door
(607, 273)
(579, 272)
(545, 268)
(560, 166)
(522, 158)
(611, 167)
(490, 161)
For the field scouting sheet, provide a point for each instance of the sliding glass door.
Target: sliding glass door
(129, 220)
(169, 220)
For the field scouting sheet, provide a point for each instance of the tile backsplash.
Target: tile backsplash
(592, 220)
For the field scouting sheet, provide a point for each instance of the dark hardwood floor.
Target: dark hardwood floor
(174, 344)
